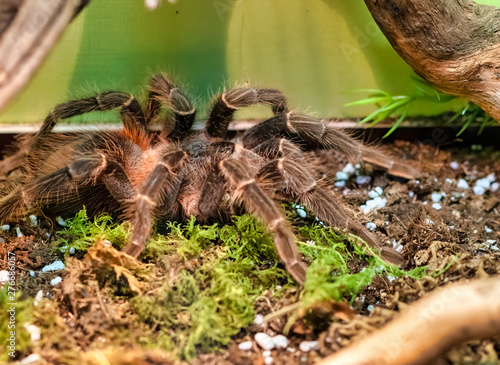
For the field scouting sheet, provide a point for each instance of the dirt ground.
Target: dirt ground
(435, 221)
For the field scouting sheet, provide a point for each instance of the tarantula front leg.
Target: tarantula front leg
(289, 172)
(257, 201)
(61, 185)
(316, 133)
(227, 103)
(163, 92)
(160, 187)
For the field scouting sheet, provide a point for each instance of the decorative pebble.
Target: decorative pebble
(462, 184)
(349, 169)
(436, 197)
(5, 227)
(454, 165)
(339, 184)
(266, 353)
(245, 346)
(34, 331)
(32, 359)
(268, 360)
(362, 180)
(72, 250)
(34, 220)
(280, 341)
(60, 221)
(487, 229)
(371, 226)
(436, 206)
(264, 341)
(18, 232)
(259, 319)
(491, 177)
(494, 187)
(55, 281)
(484, 183)
(479, 190)
(302, 213)
(373, 194)
(370, 308)
(411, 194)
(56, 265)
(341, 176)
(32, 273)
(306, 346)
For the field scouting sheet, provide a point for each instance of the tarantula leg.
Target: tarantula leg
(260, 203)
(211, 194)
(160, 187)
(292, 175)
(227, 103)
(162, 92)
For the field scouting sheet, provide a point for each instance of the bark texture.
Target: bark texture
(454, 44)
(429, 327)
(28, 31)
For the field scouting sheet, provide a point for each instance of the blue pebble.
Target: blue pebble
(302, 213)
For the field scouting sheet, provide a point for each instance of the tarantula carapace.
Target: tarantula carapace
(142, 175)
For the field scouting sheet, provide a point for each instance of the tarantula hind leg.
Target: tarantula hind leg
(257, 201)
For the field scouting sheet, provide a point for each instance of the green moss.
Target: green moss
(15, 314)
(81, 233)
(329, 276)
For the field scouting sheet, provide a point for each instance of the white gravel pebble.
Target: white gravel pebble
(259, 319)
(268, 360)
(280, 341)
(349, 169)
(487, 229)
(339, 184)
(34, 220)
(18, 232)
(72, 250)
(306, 346)
(361, 180)
(32, 273)
(4, 277)
(264, 341)
(491, 177)
(56, 265)
(5, 227)
(454, 165)
(462, 184)
(494, 187)
(379, 190)
(60, 221)
(302, 213)
(55, 281)
(266, 353)
(411, 194)
(371, 226)
(484, 183)
(436, 197)
(341, 176)
(436, 206)
(479, 190)
(245, 346)
(32, 359)
(34, 331)
(370, 308)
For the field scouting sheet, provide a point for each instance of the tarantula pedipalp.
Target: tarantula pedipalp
(141, 175)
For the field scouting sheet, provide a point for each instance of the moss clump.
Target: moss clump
(329, 276)
(15, 315)
(81, 233)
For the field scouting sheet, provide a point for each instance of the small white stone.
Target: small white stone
(5, 227)
(362, 180)
(462, 184)
(379, 190)
(34, 220)
(32, 359)
(306, 346)
(264, 341)
(484, 183)
(341, 176)
(399, 248)
(373, 194)
(291, 349)
(34, 331)
(487, 229)
(280, 341)
(245, 346)
(364, 208)
(266, 353)
(479, 190)
(370, 308)
(259, 319)
(32, 273)
(38, 297)
(436, 206)
(302, 213)
(268, 360)
(411, 194)
(339, 184)
(494, 187)
(55, 281)
(18, 232)
(491, 177)
(72, 250)
(60, 221)
(436, 197)
(4, 277)
(491, 242)
(448, 180)
(454, 165)
(348, 169)
(371, 226)
(56, 265)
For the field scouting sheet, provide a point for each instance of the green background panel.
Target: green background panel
(316, 51)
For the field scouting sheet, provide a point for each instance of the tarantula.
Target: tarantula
(141, 175)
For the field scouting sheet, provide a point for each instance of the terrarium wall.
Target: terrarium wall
(318, 52)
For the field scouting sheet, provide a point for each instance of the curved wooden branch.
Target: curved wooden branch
(454, 44)
(28, 31)
(430, 327)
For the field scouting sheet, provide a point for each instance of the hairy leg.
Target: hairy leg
(164, 93)
(160, 188)
(258, 202)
